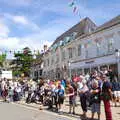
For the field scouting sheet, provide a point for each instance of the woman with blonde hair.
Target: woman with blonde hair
(95, 99)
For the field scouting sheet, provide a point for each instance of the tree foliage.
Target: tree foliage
(22, 62)
(2, 59)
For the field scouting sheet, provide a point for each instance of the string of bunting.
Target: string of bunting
(15, 52)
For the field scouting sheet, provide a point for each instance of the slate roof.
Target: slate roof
(80, 28)
(108, 24)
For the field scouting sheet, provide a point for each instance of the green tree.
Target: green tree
(2, 59)
(22, 62)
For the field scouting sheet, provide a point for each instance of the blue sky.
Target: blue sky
(34, 23)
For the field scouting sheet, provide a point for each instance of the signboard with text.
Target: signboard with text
(6, 74)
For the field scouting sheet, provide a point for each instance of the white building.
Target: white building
(37, 68)
(82, 48)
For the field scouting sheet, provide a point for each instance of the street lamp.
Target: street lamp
(117, 55)
(69, 64)
(1, 55)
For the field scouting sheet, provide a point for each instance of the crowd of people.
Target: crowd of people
(91, 88)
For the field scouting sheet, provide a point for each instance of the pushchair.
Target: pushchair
(48, 100)
(15, 96)
(28, 99)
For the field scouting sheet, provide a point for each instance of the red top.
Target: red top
(71, 91)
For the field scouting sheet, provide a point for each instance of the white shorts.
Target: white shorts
(117, 93)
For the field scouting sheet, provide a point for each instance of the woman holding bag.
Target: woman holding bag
(107, 97)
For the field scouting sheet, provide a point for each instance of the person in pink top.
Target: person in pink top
(71, 95)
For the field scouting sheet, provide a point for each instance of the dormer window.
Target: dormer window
(73, 35)
(61, 43)
(67, 39)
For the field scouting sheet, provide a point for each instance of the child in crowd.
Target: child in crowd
(10, 93)
(61, 96)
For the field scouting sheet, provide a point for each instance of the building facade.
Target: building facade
(37, 68)
(83, 48)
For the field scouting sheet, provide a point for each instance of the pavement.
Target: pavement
(14, 111)
(115, 111)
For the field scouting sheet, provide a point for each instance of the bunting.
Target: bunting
(75, 8)
(18, 51)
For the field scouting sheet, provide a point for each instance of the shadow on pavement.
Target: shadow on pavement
(76, 116)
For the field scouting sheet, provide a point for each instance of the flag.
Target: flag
(71, 4)
(75, 8)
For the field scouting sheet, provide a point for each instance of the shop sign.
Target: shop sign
(89, 62)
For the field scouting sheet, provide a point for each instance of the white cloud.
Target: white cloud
(37, 40)
(16, 43)
(9, 42)
(20, 19)
(18, 2)
(4, 30)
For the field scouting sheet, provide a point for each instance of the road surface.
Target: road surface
(13, 111)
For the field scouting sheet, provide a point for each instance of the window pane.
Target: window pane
(110, 45)
(70, 52)
(79, 50)
(63, 55)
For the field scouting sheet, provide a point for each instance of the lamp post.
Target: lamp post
(69, 64)
(117, 55)
(1, 55)
(34, 70)
(63, 70)
(0, 66)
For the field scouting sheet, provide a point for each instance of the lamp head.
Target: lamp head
(117, 52)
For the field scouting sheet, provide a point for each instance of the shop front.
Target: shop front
(98, 63)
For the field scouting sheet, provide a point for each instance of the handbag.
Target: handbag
(105, 96)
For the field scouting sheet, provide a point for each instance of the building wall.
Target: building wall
(88, 45)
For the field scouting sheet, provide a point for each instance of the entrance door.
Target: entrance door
(86, 70)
